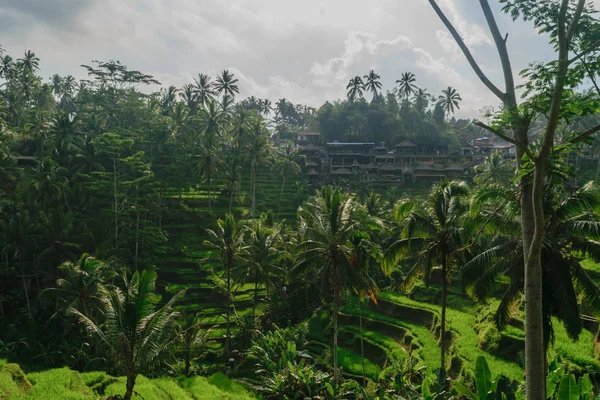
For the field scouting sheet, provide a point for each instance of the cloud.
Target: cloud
(302, 50)
(359, 47)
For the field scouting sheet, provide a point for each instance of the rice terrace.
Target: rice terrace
(352, 201)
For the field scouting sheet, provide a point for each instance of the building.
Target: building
(305, 137)
(349, 158)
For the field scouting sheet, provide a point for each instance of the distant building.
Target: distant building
(305, 137)
(349, 158)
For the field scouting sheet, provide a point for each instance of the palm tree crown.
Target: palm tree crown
(406, 84)
(450, 99)
(227, 84)
(355, 88)
(372, 82)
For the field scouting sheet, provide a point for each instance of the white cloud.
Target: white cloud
(302, 50)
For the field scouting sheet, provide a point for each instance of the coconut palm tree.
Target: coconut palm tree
(430, 233)
(135, 334)
(229, 240)
(80, 289)
(285, 163)
(406, 85)
(355, 88)
(450, 99)
(211, 120)
(421, 100)
(262, 256)
(192, 337)
(328, 223)
(30, 62)
(259, 150)
(204, 89)
(572, 233)
(372, 82)
(226, 84)
(495, 170)
(189, 96)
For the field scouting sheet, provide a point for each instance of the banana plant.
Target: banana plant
(487, 388)
(561, 386)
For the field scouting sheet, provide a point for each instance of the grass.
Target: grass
(64, 384)
(352, 363)
(466, 340)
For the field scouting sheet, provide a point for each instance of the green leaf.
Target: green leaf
(462, 390)
(483, 377)
(585, 387)
(554, 377)
(567, 390)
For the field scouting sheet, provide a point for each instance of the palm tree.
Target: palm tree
(406, 85)
(57, 86)
(495, 170)
(372, 82)
(192, 337)
(229, 241)
(135, 334)
(262, 256)
(211, 120)
(450, 99)
(328, 223)
(355, 87)
(421, 99)
(431, 233)
(204, 89)
(190, 97)
(363, 251)
(259, 150)
(572, 233)
(227, 84)
(80, 289)
(267, 107)
(286, 163)
(30, 62)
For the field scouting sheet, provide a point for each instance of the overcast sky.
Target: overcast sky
(303, 50)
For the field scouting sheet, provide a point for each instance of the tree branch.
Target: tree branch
(585, 51)
(582, 136)
(575, 21)
(467, 52)
(510, 95)
(496, 132)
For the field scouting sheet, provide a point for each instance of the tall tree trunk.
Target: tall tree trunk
(255, 295)
(209, 195)
(25, 285)
(231, 197)
(280, 197)
(129, 387)
(443, 323)
(1, 308)
(137, 238)
(254, 168)
(336, 306)
(535, 365)
(228, 315)
(116, 202)
(362, 348)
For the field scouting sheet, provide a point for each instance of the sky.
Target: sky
(305, 51)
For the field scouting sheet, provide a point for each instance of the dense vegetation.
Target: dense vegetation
(169, 239)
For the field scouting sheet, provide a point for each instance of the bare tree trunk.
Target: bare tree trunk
(253, 206)
(336, 307)
(129, 387)
(255, 295)
(443, 322)
(228, 314)
(362, 348)
(137, 238)
(209, 194)
(116, 201)
(25, 285)
(280, 197)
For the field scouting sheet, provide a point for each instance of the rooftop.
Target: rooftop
(336, 143)
(308, 133)
(406, 143)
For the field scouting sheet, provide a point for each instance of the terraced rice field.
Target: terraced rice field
(188, 266)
